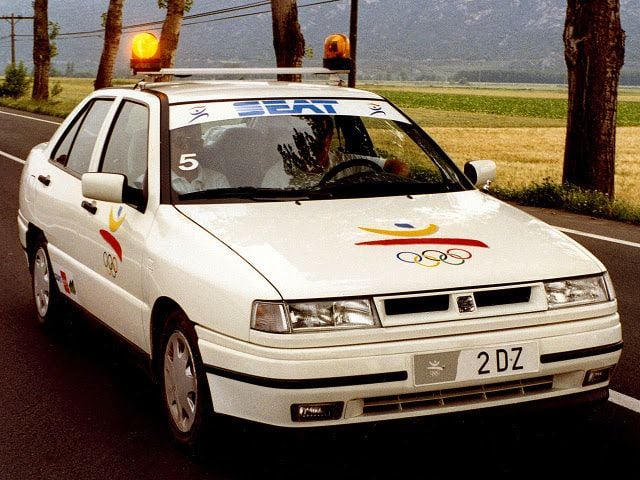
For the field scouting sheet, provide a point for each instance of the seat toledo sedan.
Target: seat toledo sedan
(303, 255)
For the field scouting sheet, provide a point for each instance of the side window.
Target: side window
(126, 150)
(74, 151)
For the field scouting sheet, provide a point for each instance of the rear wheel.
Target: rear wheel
(47, 298)
(185, 390)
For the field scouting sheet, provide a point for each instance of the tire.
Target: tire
(47, 298)
(184, 388)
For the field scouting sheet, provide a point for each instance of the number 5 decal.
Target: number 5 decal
(188, 162)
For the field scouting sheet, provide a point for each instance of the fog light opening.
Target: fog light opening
(597, 375)
(313, 412)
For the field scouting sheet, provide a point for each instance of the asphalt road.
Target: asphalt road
(75, 405)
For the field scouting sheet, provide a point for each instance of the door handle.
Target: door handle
(89, 207)
(44, 180)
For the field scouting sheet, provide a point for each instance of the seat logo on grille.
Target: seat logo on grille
(466, 304)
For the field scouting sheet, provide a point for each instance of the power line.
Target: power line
(154, 25)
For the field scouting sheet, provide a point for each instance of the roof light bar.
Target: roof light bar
(246, 71)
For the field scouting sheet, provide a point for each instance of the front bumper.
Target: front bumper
(375, 382)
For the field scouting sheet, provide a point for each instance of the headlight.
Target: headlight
(579, 291)
(313, 316)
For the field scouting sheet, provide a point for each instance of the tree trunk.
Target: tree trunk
(170, 35)
(41, 51)
(594, 54)
(112, 32)
(288, 41)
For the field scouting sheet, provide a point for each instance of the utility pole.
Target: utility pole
(13, 19)
(353, 40)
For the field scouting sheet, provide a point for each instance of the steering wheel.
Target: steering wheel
(354, 162)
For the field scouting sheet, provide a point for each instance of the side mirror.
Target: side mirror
(481, 173)
(108, 187)
(111, 187)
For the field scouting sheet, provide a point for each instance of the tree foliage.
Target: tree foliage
(16, 81)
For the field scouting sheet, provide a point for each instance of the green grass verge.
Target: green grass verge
(73, 90)
(548, 194)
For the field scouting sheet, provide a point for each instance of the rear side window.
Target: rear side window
(75, 149)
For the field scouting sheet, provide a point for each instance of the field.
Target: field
(520, 127)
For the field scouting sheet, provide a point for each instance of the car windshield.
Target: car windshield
(263, 154)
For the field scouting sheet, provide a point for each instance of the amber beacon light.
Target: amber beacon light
(145, 56)
(337, 52)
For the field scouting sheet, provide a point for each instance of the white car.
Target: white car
(302, 254)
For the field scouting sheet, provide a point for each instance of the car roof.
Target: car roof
(198, 91)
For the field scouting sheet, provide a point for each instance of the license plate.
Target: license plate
(476, 363)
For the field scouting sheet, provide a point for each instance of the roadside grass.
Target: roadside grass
(521, 128)
(60, 105)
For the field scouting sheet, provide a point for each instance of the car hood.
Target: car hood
(387, 245)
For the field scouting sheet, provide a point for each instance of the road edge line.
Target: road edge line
(624, 401)
(2, 112)
(11, 157)
(598, 237)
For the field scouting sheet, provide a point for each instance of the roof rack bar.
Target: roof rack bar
(247, 71)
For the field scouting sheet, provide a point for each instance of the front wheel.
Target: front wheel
(47, 298)
(185, 391)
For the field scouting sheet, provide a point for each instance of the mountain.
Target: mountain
(397, 39)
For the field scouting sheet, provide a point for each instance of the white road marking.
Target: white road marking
(624, 401)
(11, 157)
(8, 155)
(29, 117)
(599, 237)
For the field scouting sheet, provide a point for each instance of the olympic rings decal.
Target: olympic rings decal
(434, 258)
(110, 262)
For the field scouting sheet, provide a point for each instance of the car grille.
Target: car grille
(444, 306)
(459, 396)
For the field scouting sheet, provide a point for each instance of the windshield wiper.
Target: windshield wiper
(366, 186)
(253, 194)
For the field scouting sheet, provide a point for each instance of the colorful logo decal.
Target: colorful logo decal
(110, 262)
(407, 234)
(256, 108)
(116, 219)
(65, 281)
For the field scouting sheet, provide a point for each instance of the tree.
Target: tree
(112, 33)
(16, 81)
(170, 34)
(41, 51)
(594, 54)
(288, 41)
